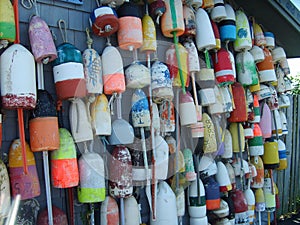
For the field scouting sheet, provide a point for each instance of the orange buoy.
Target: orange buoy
(27, 185)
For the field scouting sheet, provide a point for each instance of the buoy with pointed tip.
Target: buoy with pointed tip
(140, 109)
(7, 23)
(174, 68)
(81, 127)
(207, 166)
(27, 185)
(91, 187)
(92, 67)
(64, 167)
(243, 34)
(246, 69)
(250, 198)
(222, 178)
(227, 25)
(166, 203)
(100, 116)
(43, 125)
(113, 72)
(259, 37)
(228, 145)
(149, 35)
(104, 21)
(41, 41)
(4, 191)
(190, 174)
(161, 82)
(109, 212)
(231, 174)
(205, 38)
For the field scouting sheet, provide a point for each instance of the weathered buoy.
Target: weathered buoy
(104, 21)
(270, 40)
(278, 54)
(190, 174)
(227, 26)
(228, 145)
(81, 127)
(41, 41)
(27, 185)
(7, 23)
(265, 68)
(109, 212)
(257, 53)
(140, 109)
(258, 180)
(137, 76)
(157, 8)
(187, 110)
(91, 187)
(243, 34)
(100, 115)
(149, 35)
(239, 114)
(113, 72)
(4, 191)
(256, 143)
(246, 69)
(120, 175)
(64, 167)
(250, 198)
(59, 217)
(218, 12)
(43, 125)
(92, 67)
(240, 207)
(259, 37)
(189, 21)
(210, 142)
(167, 117)
(18, 82)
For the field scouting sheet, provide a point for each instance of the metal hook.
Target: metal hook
(62, 25)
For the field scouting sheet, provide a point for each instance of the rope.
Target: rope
(63, 29)
(89, 40)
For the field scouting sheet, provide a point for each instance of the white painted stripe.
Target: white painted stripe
(68, 71)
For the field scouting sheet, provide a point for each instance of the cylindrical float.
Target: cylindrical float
(109, 212)
(257, 53)
(256, 143)
(149, 34)
(218, 12)
(210, 142)
(243, 34)
(265, 68)
(196, 204)
(227, 26)
(233, 128)
(282, 155)
(27, 185)
(137, 76)
(187, 110)
(64, 167)
(270, 156)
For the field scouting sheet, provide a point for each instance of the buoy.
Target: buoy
(265, 121)
(132, 211)
(256, 110)
(257, 53)
(265, 68)
(201, 220)
(217, 34)
(113, 73)
(149, 35)
(282, 155)
(246, 69)
(269, 192)
(222, 212)
(187, 110)
(218, 106)
(210, 142)
(18, 82)
(157, 8)
(239, 114)
(273, 100)
(250, 198)
(222, 178)
(196, 203)
(189, 21)
(104, 21)
(223, 68)
(173, 9)
(43, 125)
(41, 41)
(81, 127)
(231, 174)
(4, 191)
(205, 38)
(218, 12)
(174, 68)
(226, 99)
(68, 70)
(284, 101)
(237, 133)
(259, 37)
(285, 66)
(64, 167)
(258, 180)
(260, 204)
(256, 143)
(161, 82)
(278, 54)
(137, 76)
(92, 67)
(228, 145)
(167, 117)
(59, 217)
(264, 92)
(270, 40)
(207, 96)
(207, 166)
(27, 185)
(140, 109)
(166, 206)
(205, 78)
(276, 123)
(280, 88)
(7, 24)
(120, 173)
(100, 116)
(227, 25)
(91, 187)
(161, 158)
(190, 174)
(212, 193)
(109, 212)
(283, 119)
(271, 155)
(243, 34)
(207, 4)
(240, 207)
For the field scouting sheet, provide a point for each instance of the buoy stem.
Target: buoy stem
(207, 60)
(16, 11)
(178, 62)
(48, 185)
(22, 137)
(195, 90)
(122, 212)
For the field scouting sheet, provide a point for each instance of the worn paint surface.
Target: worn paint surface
(137, 76)
(130, 33)
(4, 191)
(140, 109)
(109, 212)
(59, 217)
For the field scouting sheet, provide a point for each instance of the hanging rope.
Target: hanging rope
(63, 30)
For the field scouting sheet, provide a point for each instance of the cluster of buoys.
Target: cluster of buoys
(211, 125)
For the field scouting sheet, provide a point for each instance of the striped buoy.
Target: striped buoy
(270, 40)
(266, 68)
(259, 37)
(282, 155)
(258, 180)
(227, 26)
(218, 12)
(256, 146)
